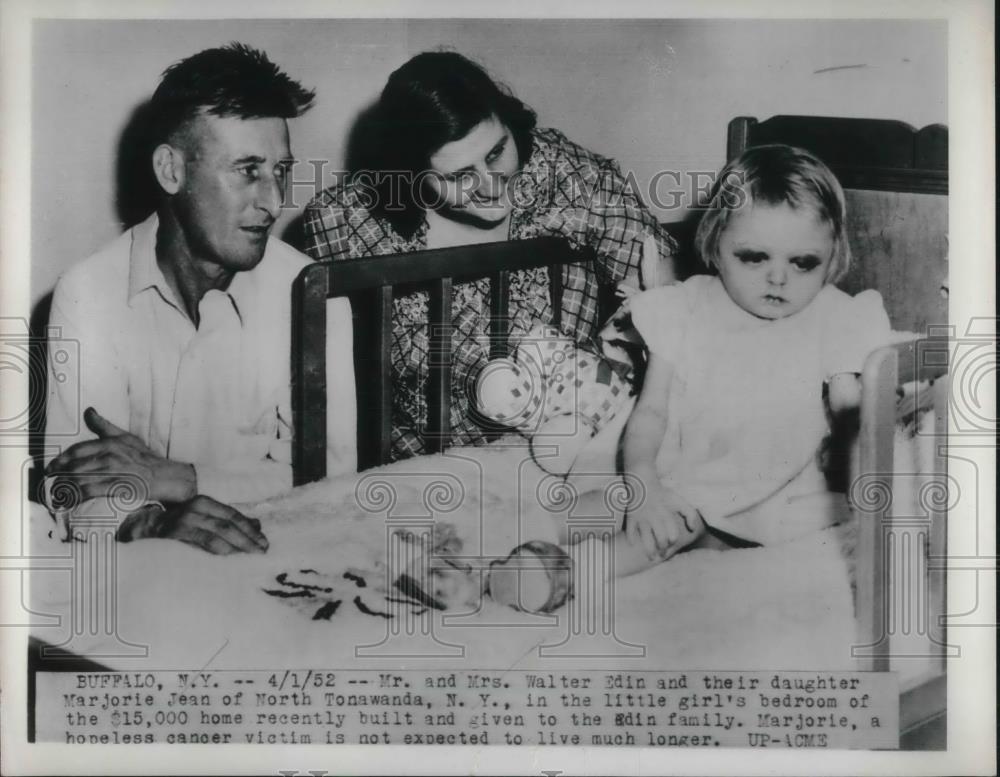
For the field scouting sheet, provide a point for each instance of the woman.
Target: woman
(461, 161)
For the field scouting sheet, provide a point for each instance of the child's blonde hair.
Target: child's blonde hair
(774, 175)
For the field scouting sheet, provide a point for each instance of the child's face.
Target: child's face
(773, 259)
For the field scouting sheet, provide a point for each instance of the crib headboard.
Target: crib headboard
(372, 283)
(895, 179)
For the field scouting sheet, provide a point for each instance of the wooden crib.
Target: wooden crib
(372, 284)
(895, 179)
(898, 552)
(896, 182)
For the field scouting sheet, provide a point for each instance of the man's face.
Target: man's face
(234, 183)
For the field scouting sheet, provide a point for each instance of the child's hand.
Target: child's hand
(844, 392)
(629, 286)
(664, 524)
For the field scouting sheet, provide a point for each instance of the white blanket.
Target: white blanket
(781, 607)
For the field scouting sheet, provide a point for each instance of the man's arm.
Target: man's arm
(94, 379)
(97, 378)
(202, 522)
(91, 452)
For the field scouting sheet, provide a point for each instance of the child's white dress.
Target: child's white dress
(745, 414)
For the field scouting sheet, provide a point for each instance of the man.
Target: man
(183, 322)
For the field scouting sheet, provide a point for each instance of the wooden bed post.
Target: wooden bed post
(871, 500)
(738, 136)
(381, 382)
(872, 495)
(309, 295)
(499, 314)
(438, 431)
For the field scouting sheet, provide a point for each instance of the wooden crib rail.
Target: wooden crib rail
(373, 283)
(875, 154)
(886, 370)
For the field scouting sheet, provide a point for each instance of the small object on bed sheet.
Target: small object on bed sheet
(442, 583)
(409, 587)
(325, 612)
(288, 594)
(304, 596)
(438, 577)
(283, 580)
(368, 611)
(535, 577)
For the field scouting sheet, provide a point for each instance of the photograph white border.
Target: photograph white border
(971, 679)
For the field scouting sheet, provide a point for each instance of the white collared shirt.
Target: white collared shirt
(216, 396)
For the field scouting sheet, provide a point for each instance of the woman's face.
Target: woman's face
(471, 175)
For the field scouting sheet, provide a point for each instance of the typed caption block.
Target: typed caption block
(704, 709)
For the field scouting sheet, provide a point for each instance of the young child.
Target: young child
(725, 433)
(726, 429)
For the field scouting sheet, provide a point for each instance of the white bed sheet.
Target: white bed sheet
(176, 607)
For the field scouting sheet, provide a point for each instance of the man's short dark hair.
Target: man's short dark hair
(229, 81)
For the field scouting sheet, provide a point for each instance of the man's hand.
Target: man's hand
(115, 453)
(202, 521)
(664, 524)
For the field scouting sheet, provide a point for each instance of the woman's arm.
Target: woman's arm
(618, 223)
(593, 204)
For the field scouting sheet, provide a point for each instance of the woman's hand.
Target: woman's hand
(664, 523)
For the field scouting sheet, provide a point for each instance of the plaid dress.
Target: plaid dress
(561, 190)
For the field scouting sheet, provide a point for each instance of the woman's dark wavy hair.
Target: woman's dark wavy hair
(435, 98)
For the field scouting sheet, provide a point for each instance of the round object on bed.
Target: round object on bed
(535, 577)
(507, 393)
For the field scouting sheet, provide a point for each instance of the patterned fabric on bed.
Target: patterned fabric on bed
(562, 190)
